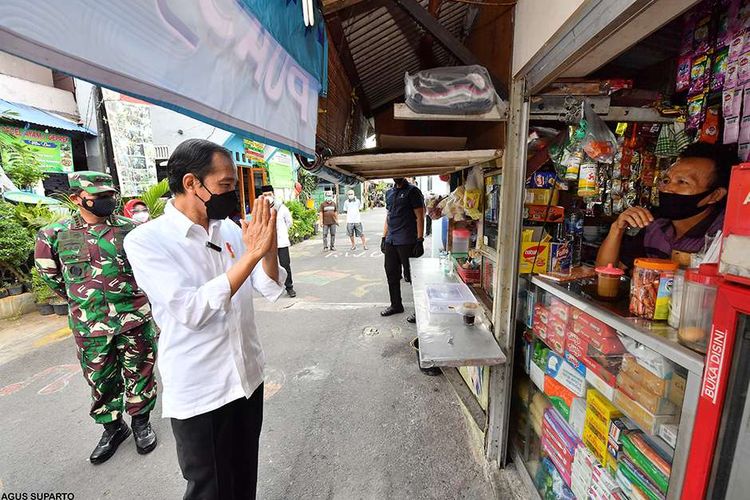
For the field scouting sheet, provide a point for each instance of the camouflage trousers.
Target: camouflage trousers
(120, 370)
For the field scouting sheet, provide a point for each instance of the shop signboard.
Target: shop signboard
(215, 61)
(254, 150)
(280, 169)
(132, 142)
(54, 151)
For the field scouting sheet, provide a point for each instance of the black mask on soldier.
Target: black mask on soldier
(675, 206)
(220, 206)
(103, 206)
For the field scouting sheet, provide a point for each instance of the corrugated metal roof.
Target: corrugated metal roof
(29, 114)
(384, 44)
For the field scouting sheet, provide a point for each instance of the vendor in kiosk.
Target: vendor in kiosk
(692, 194)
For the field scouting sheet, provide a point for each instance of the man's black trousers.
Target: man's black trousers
(218, 451)
(396, 258)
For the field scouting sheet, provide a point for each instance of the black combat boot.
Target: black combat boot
(114, 433)
(145, 437)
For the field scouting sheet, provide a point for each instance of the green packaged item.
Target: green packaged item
(630, 471)
(642, 461)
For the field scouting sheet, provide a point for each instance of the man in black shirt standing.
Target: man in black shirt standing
(403, 237)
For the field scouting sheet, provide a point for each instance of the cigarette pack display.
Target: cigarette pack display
(676, 391)
(556, 329)
(642, 461)
(602, 406)
(654, 403)
(561, 309)
(639, 480)
(591, 327)
(577, 416)
(646, 420)
(644, 376)
(560, 396)
(566, 374)
(598, 383)
(668, 432)
(618, 428)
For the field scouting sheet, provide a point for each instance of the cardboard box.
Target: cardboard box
(535, 246)
(668, 432)
(596, 445)
(536, 374)
(561, 309)
(541, 314)
(646, 420)
(603, 406)
(676, 391)
(566, 374)
(654, 403)
(556, 329)
(560, 396)
(644, 376)
(540, 213)
(598, 383)
(577, 417)
(591, 327)
(539, 196)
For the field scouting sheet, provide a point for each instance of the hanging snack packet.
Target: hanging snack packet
(743, 69)
(743, 151)
(702, 33)
(710, 129)
(688, 31)
(683, 73)
(731, 129)
(699, 72)
(731, 78)
(744, 130)
(745, 100)
(732, 102)
(696, 111)
(736, 45)
(719, 69)
(723, 34)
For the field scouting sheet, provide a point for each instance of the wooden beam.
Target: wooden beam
(446, 39)
(402, 112)
(331, 6)
(435, 159)
(338, 38)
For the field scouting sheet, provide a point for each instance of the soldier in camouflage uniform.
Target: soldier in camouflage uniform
(83, 260)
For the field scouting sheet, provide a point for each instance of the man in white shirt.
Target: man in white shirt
(352, 207)
(283, 224)
(199, 269)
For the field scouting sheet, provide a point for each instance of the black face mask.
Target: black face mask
(221, 206)
(101, 207)
(675, 206)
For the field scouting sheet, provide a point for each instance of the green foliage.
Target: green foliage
(35, 217)
(19, 160)
(303, 224)
(309, 182)
(42, 292)
(152, 197)
(16, 242)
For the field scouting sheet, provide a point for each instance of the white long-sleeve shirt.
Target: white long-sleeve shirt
(283, 224)
(209, 350)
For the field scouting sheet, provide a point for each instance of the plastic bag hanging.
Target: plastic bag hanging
(450, 90)
(599, 142)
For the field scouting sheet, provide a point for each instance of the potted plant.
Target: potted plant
(59, 305)
(16, 245)
(15, 288)
(3, 291)
(42, 294)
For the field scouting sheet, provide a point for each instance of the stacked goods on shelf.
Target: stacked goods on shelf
(599, 415)
(539, 406)
(603, 487)
(550, 483)
(559, 442)
(618, 429)
(643, 395)
(580, 478)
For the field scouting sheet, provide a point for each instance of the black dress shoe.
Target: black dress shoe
(412, 318)
(291, 292)
(391, 311)
(145, 438)
(109, 442)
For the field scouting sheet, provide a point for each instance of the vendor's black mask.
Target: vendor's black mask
(220, 206)
(675, 206)
(101, 207)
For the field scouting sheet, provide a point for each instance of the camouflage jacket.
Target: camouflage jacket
(86, 265)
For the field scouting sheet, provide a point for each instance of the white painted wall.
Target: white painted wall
(40, 96)
(536, 21)
(167, 124)
(86, 99)
(25, 70)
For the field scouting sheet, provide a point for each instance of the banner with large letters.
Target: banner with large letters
(211, 59)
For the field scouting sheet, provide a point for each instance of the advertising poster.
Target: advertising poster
(280, 170)
(54, 151)
(132, 141)
(254, 151)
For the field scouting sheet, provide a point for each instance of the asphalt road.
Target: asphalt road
(347, 413)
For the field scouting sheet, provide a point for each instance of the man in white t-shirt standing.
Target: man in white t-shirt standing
(352, 207)
(283, 224)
